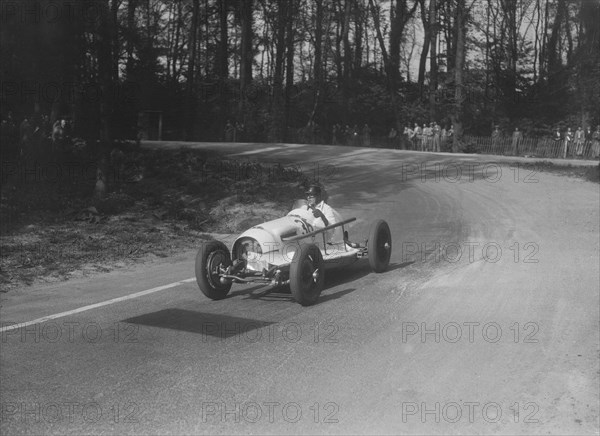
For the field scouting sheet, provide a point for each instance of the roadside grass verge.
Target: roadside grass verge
(156, 203)
(589, 173)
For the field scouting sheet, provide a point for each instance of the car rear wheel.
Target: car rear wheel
(307, 274)
(211, 255)
(379, 246)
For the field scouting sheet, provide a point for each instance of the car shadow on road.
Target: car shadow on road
(335, 295)
(209, 324)
(333, 278)
(395, 266)
(360, 269)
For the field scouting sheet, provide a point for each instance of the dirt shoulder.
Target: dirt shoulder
(71, 217)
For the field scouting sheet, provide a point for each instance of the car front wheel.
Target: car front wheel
(379, 246)
(211, 256)
(307, 274)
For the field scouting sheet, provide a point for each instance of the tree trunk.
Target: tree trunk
(554, 61)
(395, 38)
(457, 115)
(425, 51)
(289, 68)
(569, 36)
(433, 80)
(386, 62)
(278, 107)
(114, 36)
(247, 55)
(318, 67)
(536, 43)
(399, 19)
(222, 59)
(358, 37)
(190, 106)
(338, 41)
(510, 13)
(131, 6)
(223, 42)
(347, 48)
(105, 63)
(175, 72)
(450, 37)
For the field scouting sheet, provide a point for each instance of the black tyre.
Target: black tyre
(307, 274)
(209, 257)
(379, 246)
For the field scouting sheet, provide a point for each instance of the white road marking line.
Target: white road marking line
(95, 305)
(261, 150)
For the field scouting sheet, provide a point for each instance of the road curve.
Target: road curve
(487, 320)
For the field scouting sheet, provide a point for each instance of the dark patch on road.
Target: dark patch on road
(211, 324)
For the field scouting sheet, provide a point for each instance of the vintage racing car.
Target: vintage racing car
(288, 250)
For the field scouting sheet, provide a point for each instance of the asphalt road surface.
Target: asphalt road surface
(487, 320)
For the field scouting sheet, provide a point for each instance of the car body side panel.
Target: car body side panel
(275, 251)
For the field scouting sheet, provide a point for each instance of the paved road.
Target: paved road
(486, 322)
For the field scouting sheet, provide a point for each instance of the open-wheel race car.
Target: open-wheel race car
(288, 250)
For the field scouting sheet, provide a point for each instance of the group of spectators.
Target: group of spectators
(579, 143)
(32, 135)
(428, 137)
(234, 132)
(575, 144)
(353, 136)
(435, 137)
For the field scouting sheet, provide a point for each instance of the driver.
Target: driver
(322, 212)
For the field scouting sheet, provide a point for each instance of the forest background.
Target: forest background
(274, 67)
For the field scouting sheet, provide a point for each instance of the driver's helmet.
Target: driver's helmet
(314, 190)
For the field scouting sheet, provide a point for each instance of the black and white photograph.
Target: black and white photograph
(300, 217)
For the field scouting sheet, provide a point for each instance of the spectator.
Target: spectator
(443, 138)
(25, 130)
(588, 141)
(229, 131)
(58, 135)
(238, 134)
(430, 137)
(579, 139)
(317, 133)
(392, 137)
(6, 145)
(556, 138)
(355, 139)
(347, 135)
(335, 131)
(46, 127)
(366, 135)
(25, 136)
(516, 139)
(596, 143)
(416, 138)
(567, 142)
(407, 138)
(495, 139)
(436, 137)
(424, 137)
(451, 138)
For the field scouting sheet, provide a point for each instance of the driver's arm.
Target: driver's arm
(329, 215)
(319, 214)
